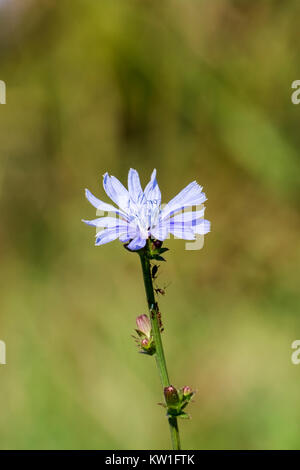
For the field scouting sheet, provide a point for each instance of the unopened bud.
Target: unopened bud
(171, 395)
(147, 346)
(157, 243)
(186, 391)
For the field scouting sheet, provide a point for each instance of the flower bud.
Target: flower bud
(187, 391)
(157, 243)
(171, 396)
(144, 325)
(147, 346)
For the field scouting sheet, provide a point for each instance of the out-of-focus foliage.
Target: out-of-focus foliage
(198, 89)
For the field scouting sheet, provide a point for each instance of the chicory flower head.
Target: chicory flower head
(140, 215)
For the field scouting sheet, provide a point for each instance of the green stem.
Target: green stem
(159, 354)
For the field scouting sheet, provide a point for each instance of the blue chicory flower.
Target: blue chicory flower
(140, 215)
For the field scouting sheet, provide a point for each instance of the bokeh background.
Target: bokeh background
(198, 89)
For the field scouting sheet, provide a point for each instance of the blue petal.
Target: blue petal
(191, 195)
(189, 219)
(106, 222)
(137, 243)
(152, 191)
(129, 234)
(134, 186)
(180, 231)
(160, 232)
(108, 235)
(202, 227)
(116, 191)
(125, 238)
(100, 205)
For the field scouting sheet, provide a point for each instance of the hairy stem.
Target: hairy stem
(159, 355)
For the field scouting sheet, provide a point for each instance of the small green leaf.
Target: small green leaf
(158, 258)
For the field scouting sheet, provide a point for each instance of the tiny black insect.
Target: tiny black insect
(154, 271)
(160, 291)
(160, 321)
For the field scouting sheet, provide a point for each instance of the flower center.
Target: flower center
(145, 215)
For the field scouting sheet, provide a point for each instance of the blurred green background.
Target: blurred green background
(199, 90)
